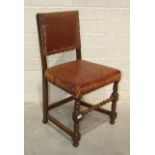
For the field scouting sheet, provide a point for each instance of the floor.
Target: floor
(98, 136)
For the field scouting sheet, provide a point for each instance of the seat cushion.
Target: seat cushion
(80, 77)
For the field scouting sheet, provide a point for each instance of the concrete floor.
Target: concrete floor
(98, 136)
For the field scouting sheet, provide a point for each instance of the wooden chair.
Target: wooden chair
(59, 32)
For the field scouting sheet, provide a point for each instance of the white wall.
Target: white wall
(104, 28)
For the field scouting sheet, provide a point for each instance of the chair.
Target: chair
(59, 32)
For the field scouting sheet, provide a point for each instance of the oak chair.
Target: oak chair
(59, 32)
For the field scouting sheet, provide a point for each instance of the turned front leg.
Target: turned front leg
(76, 118)
(113, 107)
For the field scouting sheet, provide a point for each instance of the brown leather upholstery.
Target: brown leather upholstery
(59, 32)
(80, 77)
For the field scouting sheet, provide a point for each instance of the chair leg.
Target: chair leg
(76, 135)
(45, 101)
(113, 114)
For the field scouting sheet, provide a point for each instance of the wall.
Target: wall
(104, 28)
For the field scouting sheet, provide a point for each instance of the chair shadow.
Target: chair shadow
(91, 121)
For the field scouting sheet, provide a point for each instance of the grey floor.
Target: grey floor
(98, 136)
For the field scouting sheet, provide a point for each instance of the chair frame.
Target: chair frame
(77, 114)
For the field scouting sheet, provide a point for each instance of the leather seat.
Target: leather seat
(80, 77)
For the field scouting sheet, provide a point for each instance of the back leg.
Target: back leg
(45, 101)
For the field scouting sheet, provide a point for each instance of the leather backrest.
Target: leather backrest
(59, 32)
